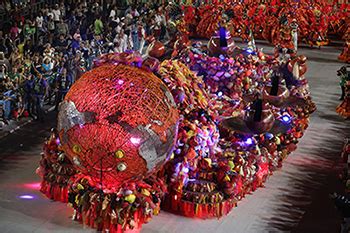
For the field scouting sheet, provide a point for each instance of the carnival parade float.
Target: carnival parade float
(190, 132)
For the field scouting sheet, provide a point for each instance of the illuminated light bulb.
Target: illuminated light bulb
(119, 154)
(135, 141)
(76, 149)
(185, 169)
(286, 119)
(34, 186)
(249, 141)
(249, 51)
(121, 167)
(26, 197)
(76, 161)
(269, 135)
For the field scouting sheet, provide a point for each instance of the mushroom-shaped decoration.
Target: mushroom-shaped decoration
(222, 43)
(259, 118)
(275, 93)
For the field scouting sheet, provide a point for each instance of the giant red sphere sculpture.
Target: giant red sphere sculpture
(117, 122)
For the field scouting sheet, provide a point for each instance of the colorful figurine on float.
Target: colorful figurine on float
(294, 31)
(55, 170)
(298, 68)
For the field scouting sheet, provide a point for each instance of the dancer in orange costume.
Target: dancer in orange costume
(345, 55)
(285, 39)
(318, 29)
(344, 108)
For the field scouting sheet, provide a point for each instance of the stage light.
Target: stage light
(286, 119)
(135, 141)
(185, 169)
(26, 197)
(269, 136)
(34, 186)
(249, 141)
(250, 51)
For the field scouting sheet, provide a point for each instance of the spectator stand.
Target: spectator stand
(27, 45)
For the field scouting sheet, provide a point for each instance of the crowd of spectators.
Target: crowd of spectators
(41, 56)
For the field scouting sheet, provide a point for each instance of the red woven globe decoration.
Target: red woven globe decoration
(118, 122)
